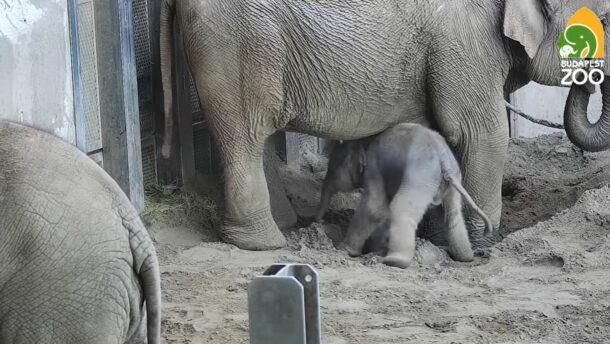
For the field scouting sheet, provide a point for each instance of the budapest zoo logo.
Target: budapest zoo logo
(581, 48)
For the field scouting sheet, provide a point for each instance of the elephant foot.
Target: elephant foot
(397, 261)
(462, 254)
(258, 237)
(479, 240)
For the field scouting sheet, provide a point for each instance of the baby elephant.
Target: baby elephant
(76, 263)
(404, 171)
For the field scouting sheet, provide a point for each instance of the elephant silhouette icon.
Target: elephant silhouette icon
(566, 51)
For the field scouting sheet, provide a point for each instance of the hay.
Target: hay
(175, 206)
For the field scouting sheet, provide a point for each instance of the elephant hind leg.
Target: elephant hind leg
(406, 211)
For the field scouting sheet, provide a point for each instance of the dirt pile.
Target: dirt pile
(545, 176)
(316, 237)
(304, 187)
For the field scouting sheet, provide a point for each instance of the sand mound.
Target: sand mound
(545, 176)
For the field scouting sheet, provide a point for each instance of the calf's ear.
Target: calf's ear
(525, 21)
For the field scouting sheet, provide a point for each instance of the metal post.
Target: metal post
(284, 306)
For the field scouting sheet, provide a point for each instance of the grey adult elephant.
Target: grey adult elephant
(349, 69)
(76, 263)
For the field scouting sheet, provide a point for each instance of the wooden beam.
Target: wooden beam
(118, 92)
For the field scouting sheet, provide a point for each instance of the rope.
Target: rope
(532, 119)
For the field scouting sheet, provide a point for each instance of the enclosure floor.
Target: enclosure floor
(545, 282)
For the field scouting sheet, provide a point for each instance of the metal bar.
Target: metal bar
(284, 306)
(79, 112)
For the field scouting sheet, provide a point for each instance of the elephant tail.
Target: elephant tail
(452, 174)
(456, 183)
(167, 50)
(146, 265)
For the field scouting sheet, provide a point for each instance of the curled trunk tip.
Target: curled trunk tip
(592, 137)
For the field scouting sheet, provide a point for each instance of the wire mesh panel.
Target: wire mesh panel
(147, 124)
(296, 145)
(149, 162)
(149, 159)
(142, 43)
(89, 75)
(194, 97)
(141, 37)
(201, 142)
(203, 145)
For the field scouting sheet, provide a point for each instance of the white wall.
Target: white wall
(546, 102)
(35, 65)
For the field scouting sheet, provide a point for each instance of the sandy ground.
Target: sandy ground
(545, 282)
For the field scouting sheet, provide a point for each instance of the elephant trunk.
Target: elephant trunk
(592, 137)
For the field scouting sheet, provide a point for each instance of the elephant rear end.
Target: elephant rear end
(76, 263)
(407, 150)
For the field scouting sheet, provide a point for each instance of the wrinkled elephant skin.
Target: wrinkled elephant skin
(76, 263)
(350, 69)
(407, 169)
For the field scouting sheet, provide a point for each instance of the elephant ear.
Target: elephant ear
(525, 22)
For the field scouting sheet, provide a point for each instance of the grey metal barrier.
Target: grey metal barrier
(284, 306)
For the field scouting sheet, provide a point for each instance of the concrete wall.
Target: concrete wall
(545, 102)
(35, 65)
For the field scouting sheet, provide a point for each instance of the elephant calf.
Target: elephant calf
(404, 171)
(76, 263)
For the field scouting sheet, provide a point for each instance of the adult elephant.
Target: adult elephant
(350, 69)
(76, 263)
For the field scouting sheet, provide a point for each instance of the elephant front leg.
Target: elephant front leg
(369, 215)
(248, 222)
